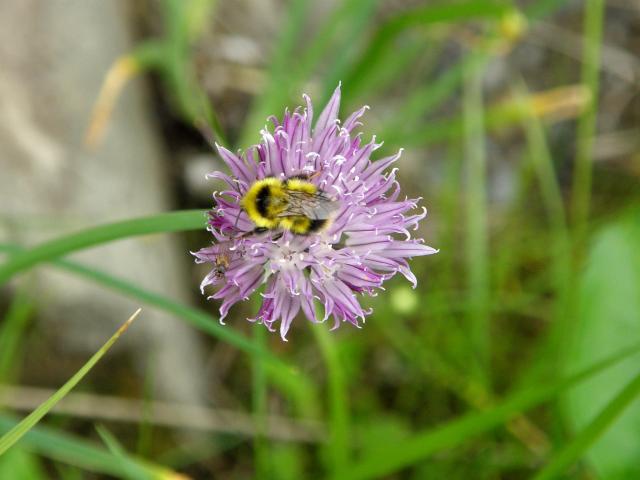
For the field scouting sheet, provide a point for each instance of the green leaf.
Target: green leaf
(276, 92)
(290, 461)
(18, 464)
(259, 400)
(133, 471)
(13, 435)
(12, 331)
(377, 433)
(162, 223)
(421, 445)
(81, 453)
(574, 450)
(383, 39)
(609, 319)
(477, 229)
(338, 447)
(334, 34)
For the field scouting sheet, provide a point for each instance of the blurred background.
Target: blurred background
(520, 122)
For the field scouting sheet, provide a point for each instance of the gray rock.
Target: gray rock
(54, 56)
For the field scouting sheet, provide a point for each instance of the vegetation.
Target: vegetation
(516, 356)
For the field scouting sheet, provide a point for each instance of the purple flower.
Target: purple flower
(367, 242)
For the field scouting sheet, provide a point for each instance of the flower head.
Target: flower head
(367, 241)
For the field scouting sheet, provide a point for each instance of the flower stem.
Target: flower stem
(260, 447)
(582, 174)
(477, 248)
(338, 444)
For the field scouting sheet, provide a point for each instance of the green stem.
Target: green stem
(162, 223)
(477, 248)
(572, 452)
(260, 392)
(582, 175)
(276, 93)
(338, 446)
(12, 332)
(551, 193)
(419, 446)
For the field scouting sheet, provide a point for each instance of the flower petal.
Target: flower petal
(330, 113)
(239, 168)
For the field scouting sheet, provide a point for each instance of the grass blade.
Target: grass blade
(554, 105)
(542, 161)
(338, 22)
(427, 98)
(162, 223)
(383, 39)
(451, 434)
(593, 20)
(580, 444)
(259, 400)
(277, 92)
(433, 94)
(338, 445)
(134, 471)
(477, 243)
(12, 436)
(71, 450)
(20, 464)
(12, 332)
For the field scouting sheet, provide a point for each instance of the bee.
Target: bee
(221, 264)
(226, 254)
(294, 203)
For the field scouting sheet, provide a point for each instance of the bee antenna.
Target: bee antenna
(235, 225)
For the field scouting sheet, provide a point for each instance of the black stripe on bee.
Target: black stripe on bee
(261, 200)
(317, 224)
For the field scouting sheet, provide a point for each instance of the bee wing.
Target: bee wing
(316, 206)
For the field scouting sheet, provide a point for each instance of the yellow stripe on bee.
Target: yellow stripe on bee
(300, 185)
(250, 205)
(296, 224)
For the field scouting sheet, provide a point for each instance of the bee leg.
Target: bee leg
(277, 236)
(255, 231)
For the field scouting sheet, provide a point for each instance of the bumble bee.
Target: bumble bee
(294, 203)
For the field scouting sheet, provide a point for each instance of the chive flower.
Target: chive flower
(366, 241)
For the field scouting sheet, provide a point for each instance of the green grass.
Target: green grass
(79, 452)
(477, 243)
(17, 432)
(12, 333)
(582, 176)
(263, 464)
(338, 447)
(162, 223)
(575, 449)
(421, 445)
